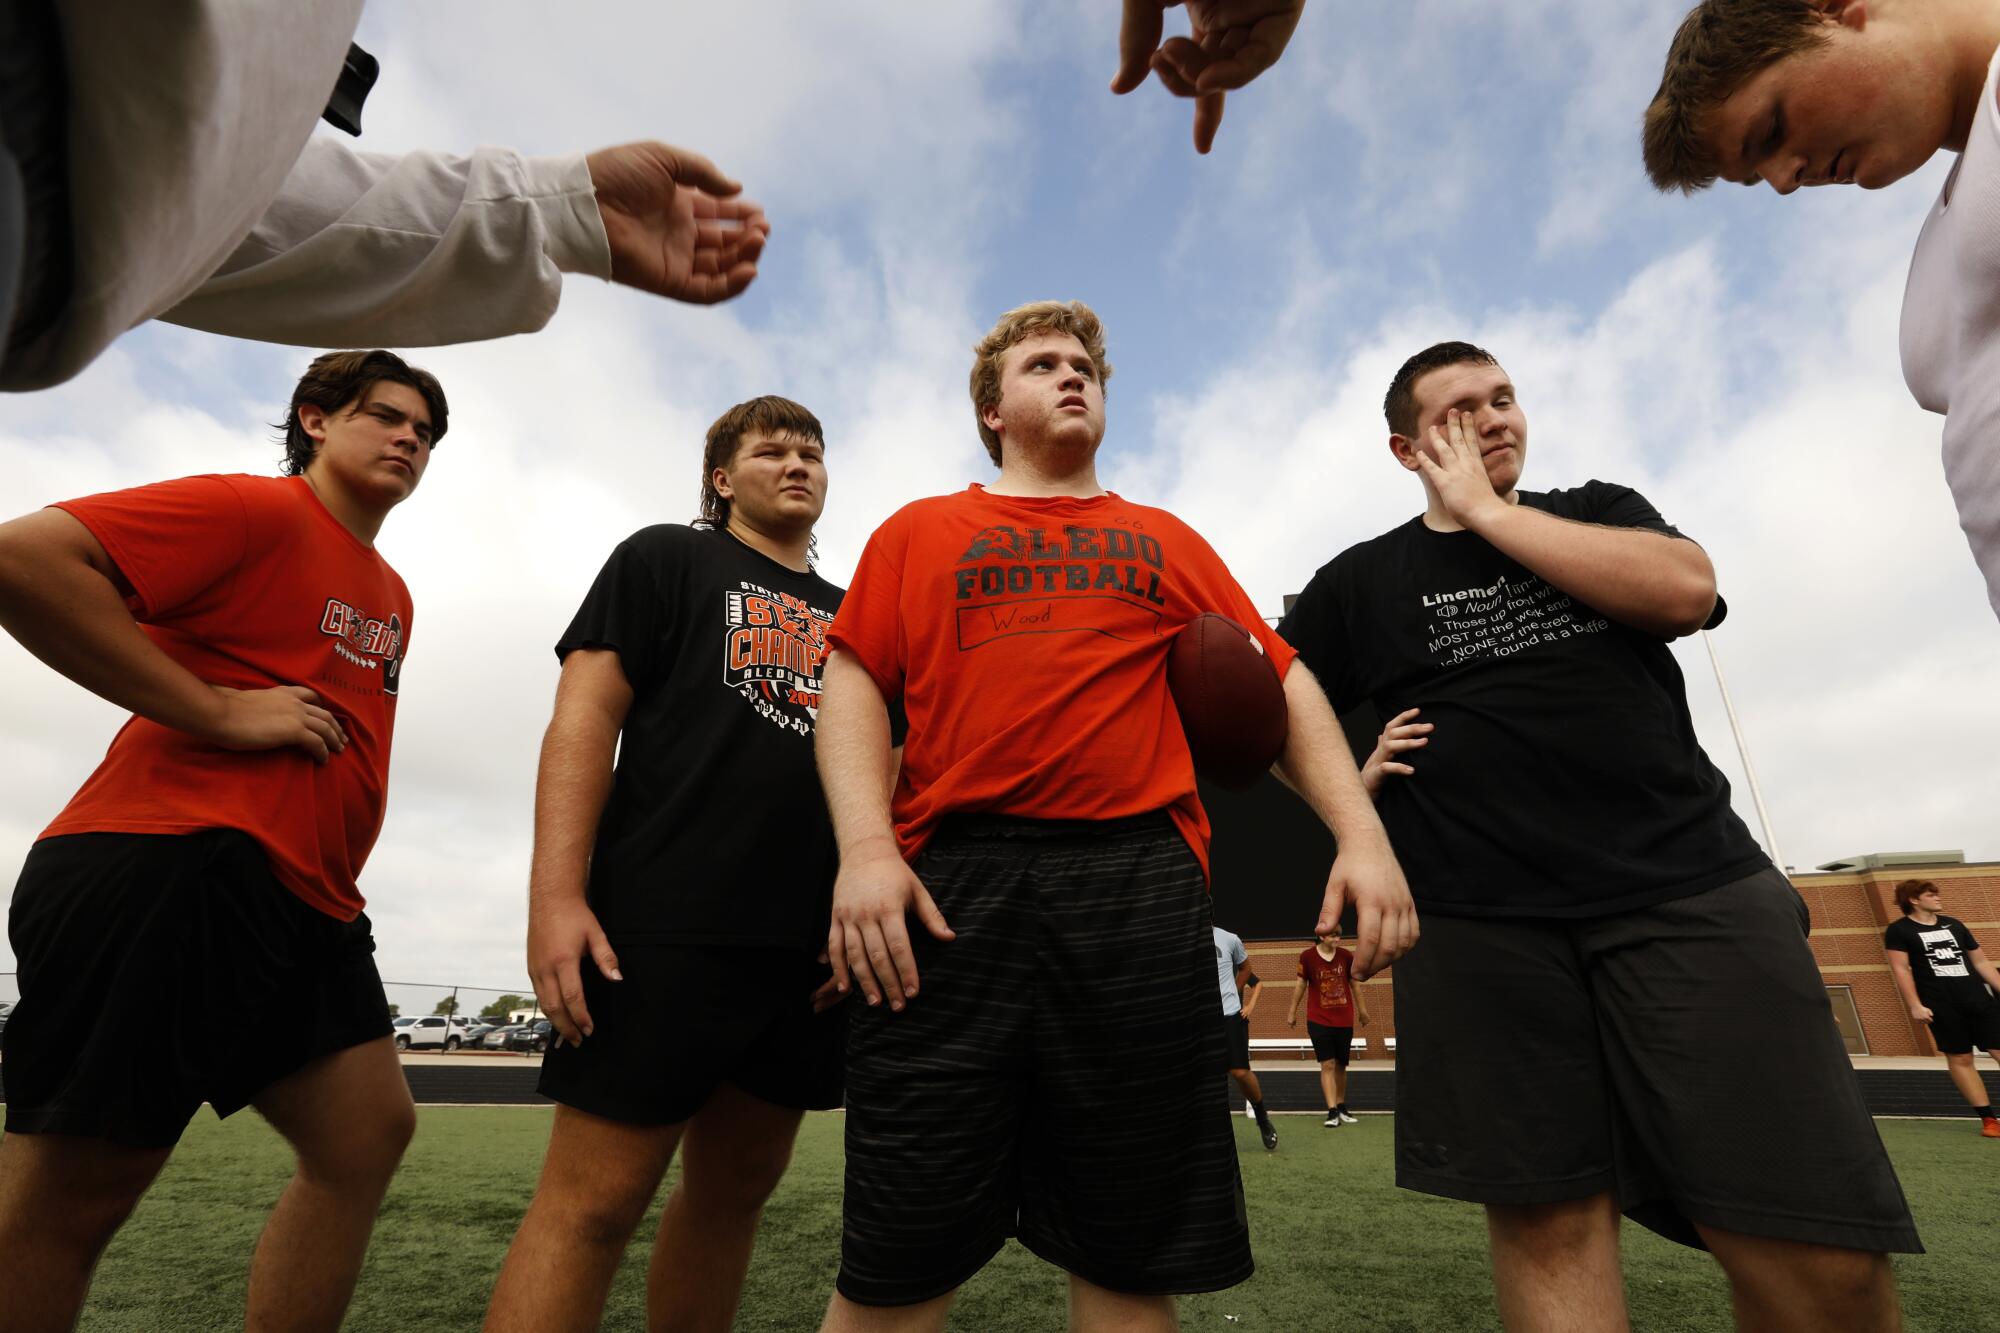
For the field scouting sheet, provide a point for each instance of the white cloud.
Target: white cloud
(925, 162)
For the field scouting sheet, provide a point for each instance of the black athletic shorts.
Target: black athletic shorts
(159, 972)
(1055, 1078)
(1235, 1041)
(1679, 1055)
(1961, 1023)
(1331, 1043)
(688, 1018)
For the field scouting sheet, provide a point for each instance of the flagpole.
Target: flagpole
(1743, 749)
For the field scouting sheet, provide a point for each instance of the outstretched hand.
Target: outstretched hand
(676, 225)
(1231, 43)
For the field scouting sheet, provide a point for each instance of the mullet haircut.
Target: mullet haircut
(1908, 891)
(1721, 45)
(1400, 405)
(1075, 318)
(769, 415)
(342, 379)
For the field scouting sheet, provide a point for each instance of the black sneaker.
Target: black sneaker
(1270, 1133)
(1332, 1120)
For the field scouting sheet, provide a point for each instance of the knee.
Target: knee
(604, 1215)
(740, 1176)
(1852, 1279)
(1962, 1060)
(365, 1154)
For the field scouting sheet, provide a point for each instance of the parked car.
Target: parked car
(496, 1040)
(533, 1036)
(432, 1030)
(480, 1027)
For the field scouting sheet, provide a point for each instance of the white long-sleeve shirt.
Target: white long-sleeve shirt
(198, 193)
(1950, 339)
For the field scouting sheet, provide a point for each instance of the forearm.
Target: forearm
(70, 616)
(851, 747)
(1317, 765)
(426, 248)
(1648, 580)
(1906, 985)
(1983, 966)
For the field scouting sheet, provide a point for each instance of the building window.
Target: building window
(1847, 1019)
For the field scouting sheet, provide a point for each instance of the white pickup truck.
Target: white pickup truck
(434, 1031)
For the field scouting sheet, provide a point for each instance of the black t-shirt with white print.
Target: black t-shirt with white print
(715, 830)
(1563, 778)
(1940, 960)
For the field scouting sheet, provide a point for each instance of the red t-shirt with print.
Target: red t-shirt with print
(1027, 639)
(1329, 987)
(249, 582)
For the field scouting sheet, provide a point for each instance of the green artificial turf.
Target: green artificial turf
(1337, 1245)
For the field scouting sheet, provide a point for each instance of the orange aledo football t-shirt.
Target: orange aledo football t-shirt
(1027, 639)
(249, 582)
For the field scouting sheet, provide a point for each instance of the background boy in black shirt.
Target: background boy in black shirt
(1944, 975)
(677, 904)
(1614, 996)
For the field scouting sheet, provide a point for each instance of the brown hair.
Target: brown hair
(769, 415)
(1071, 317)
(1721, 45)
(1399, 405)
(1908, 892)
(342, 379)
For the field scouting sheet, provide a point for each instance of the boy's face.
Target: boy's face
(776, 480)
(1867, 108)
(1930, 900)
(1049, 394)
(375, 448)
(1486, 395)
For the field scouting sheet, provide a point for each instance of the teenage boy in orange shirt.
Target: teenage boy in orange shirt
(1054, 1078)
(200, 887)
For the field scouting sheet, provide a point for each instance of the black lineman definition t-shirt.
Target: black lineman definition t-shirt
(1940, 960)
(715, 829)
(1563, 778)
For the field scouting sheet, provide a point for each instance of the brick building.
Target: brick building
(1851, 901)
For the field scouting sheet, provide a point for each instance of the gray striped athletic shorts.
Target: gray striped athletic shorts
(1055, 1078)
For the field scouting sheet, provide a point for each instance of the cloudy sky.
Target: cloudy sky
(1433, 169)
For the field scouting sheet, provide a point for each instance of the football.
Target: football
(1231, 703)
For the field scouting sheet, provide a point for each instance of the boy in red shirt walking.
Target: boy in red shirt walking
(1056, 1078)
(201, 886)
(1333, 1002)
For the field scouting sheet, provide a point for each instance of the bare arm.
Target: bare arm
(1648, 580)
(1317, 765)
(1662, 584)
(1983, 966)
(1906, 985)
(868, 942)
(1298, 993)
(572, 784)
(63, 599)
